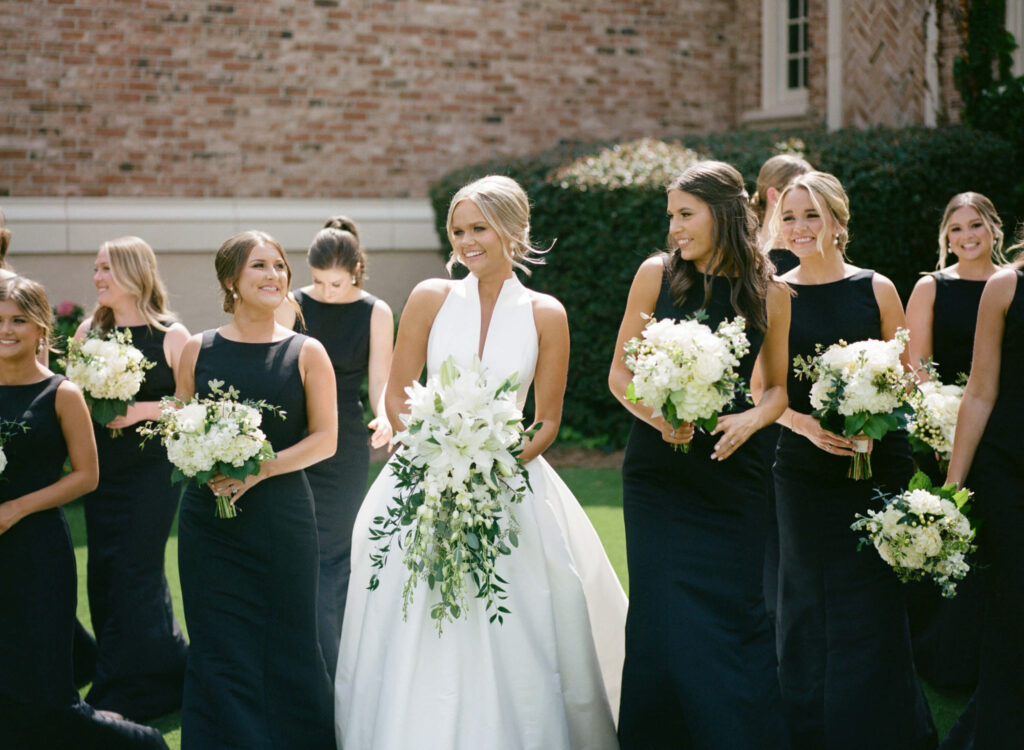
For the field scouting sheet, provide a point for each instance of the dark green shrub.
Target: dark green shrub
(898, 182)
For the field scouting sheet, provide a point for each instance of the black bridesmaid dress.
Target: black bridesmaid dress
(140, 664)
(993, 719)
(339, 483)
(845, 662)
(946, 633)
(39, 706)
(256, 677)
(700, 668)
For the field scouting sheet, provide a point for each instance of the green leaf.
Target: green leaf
(472, 540)
(920, 481)
(854, 423)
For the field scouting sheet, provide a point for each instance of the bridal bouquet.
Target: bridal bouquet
(932, 426)
(109, 370)
(8, 428)
(214, 435)
(859, 389)
(457, 472)
(923, 532)
(685, 371)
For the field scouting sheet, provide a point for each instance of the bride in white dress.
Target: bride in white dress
(548, 678)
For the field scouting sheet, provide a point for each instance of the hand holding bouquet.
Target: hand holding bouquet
(685, 371)
(923, 532)
(205, 437)
(859, 389)
(458, 473)
(109, 370)
(932, 426)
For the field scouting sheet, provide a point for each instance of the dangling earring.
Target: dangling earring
(40, 346)
(234, 294)
(836, 239)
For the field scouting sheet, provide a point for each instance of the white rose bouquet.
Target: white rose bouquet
(8, 429)
(457, 472)
(685, 371)
(109, 370)
(932, 426)
(214, 435)
(859, 389)
(923, 532)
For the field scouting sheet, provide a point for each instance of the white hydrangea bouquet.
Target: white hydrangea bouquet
(457, 472)
(859, 389)
(923, 532)
(8, 429)
(932, 426)
(214, 435)
(109, 370)
(685, 371)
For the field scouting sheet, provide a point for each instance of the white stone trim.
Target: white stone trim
(834, 70)
(777, 102)
(79, 225)
(1015, 25)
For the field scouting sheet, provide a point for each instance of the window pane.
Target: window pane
(793, 77)
(794, 9)
(793, 44)
(803, 78)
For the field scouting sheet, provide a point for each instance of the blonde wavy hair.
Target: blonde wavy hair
(31, 299)
(829, 199)
(989, 217)
(133, 267)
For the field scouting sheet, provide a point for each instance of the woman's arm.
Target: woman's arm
(382, 329)
(643, 295)
(983, 384)
(551, 374)
(920, 318)
(890, 310)
(76, 426)
(174, 341)
(773, 366)
(410, 353)
(185, 373)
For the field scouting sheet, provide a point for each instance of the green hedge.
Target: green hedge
(898, 182)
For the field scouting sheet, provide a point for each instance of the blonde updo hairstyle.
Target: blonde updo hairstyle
(232, 257)
(989, 217)
(133, 267)
(776, 173)
(30, 297)
(506, 209)
(828, 198)
(337, 246)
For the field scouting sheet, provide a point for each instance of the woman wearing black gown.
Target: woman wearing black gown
(700, 668)
(140, 664)
(986, 458)
(256, 677)
(356, 328)
(845, 662)
(777, 172)
(942, 313)
(45, 422)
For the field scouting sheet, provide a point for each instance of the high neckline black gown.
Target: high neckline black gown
(339, 483)
(699, 670)
(845, 662)
(256, 677)
(39, 706)
(993, 719)
(140, 664)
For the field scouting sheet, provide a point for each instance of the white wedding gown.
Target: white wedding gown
(546, 679)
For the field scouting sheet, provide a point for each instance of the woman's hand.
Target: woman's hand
(680, 435)
(136, 413)
(381, 433)
(830, 442)
(9, 515)
(233, 488)
(735, 430)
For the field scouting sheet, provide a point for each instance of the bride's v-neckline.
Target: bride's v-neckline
(484, 332)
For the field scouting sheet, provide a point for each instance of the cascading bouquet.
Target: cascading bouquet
(214, 435)
(109, 370)
(457, 473)
(8, 429)
(932, 426)
(859, 389)
(923, 532)
(685, 371)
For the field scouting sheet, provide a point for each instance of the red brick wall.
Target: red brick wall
(306, 98)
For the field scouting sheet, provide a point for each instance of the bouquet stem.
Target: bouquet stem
(225, 508)
(860, 464)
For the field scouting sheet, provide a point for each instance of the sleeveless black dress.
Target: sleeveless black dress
(845, 660)
(699, 669)
(140, 664)
(993, 719)
(947, 632)
(256, 677)
(339, 483)
(39, 705)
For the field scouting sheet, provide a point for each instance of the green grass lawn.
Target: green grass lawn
(600, 493)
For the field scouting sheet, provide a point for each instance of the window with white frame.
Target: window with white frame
(1015, 25)
(785, 51)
